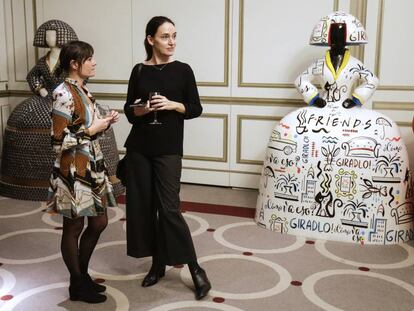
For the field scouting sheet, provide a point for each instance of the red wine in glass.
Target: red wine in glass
(151, 95)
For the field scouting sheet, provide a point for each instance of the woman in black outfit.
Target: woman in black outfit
(155, 226)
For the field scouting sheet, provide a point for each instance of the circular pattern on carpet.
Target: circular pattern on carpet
(121, 301)
(320, 246)
(308, 286)
(203, 224)
(218, 236)
(8, 282)
(200, 304)
(116, 277)
(283, 283)
(37, 210)
(29, 261)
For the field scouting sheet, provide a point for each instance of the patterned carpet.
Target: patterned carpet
(250, 268)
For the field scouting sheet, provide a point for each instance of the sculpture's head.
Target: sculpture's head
(337, 36)
(338, 30)
(64, 34)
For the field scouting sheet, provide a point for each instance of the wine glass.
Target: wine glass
(151, 95)
(103, 112)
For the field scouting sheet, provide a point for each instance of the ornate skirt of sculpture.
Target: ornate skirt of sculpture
(28, 158)
(337, 174)
(111, 156)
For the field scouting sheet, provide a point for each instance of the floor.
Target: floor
(219, 195)
(250, 268)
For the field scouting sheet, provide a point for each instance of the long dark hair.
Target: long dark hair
(151, 30)
(78, 51)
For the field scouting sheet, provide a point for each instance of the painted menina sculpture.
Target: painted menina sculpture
(334, 170)
(27, 155)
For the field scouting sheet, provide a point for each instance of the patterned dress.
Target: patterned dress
(79, 182)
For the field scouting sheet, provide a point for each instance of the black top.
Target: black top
(176, 82)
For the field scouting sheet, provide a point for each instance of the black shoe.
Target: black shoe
(80, 289)
(349, 103)
(319, 102)
(201, 283)
(156, 272)
(97, 287)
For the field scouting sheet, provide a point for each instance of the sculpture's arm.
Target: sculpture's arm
(364, 91)
(35, 80)
(304, 83)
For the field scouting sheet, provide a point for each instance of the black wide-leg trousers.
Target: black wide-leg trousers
(155, 226)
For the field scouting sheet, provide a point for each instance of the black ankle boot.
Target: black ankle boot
(97, 287)
(201, 283)
(81, 289)
(156, 272)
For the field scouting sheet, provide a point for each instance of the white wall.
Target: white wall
(245, 54)
(4, 78)
(3, 51)
(4, 115)
(389, 56)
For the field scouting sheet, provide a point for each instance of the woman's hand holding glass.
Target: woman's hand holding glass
(159, 102)
(99, 125)
(114, 115)
(103, 119)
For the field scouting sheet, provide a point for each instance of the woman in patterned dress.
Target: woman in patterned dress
(79, 182)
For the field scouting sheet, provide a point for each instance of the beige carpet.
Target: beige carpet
(250, 268)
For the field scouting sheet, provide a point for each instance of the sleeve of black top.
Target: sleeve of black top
(192, 104)
(131, 97)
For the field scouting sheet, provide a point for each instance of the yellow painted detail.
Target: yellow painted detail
(312, 97)
(330, 66)
(359, 98)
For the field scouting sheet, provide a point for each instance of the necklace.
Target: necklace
(158, 67)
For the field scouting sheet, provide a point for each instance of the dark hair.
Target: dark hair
(77, 51)
(151, 30)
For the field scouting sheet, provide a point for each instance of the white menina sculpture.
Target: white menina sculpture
(334, 170)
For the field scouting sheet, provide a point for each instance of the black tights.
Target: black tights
(76, 255)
